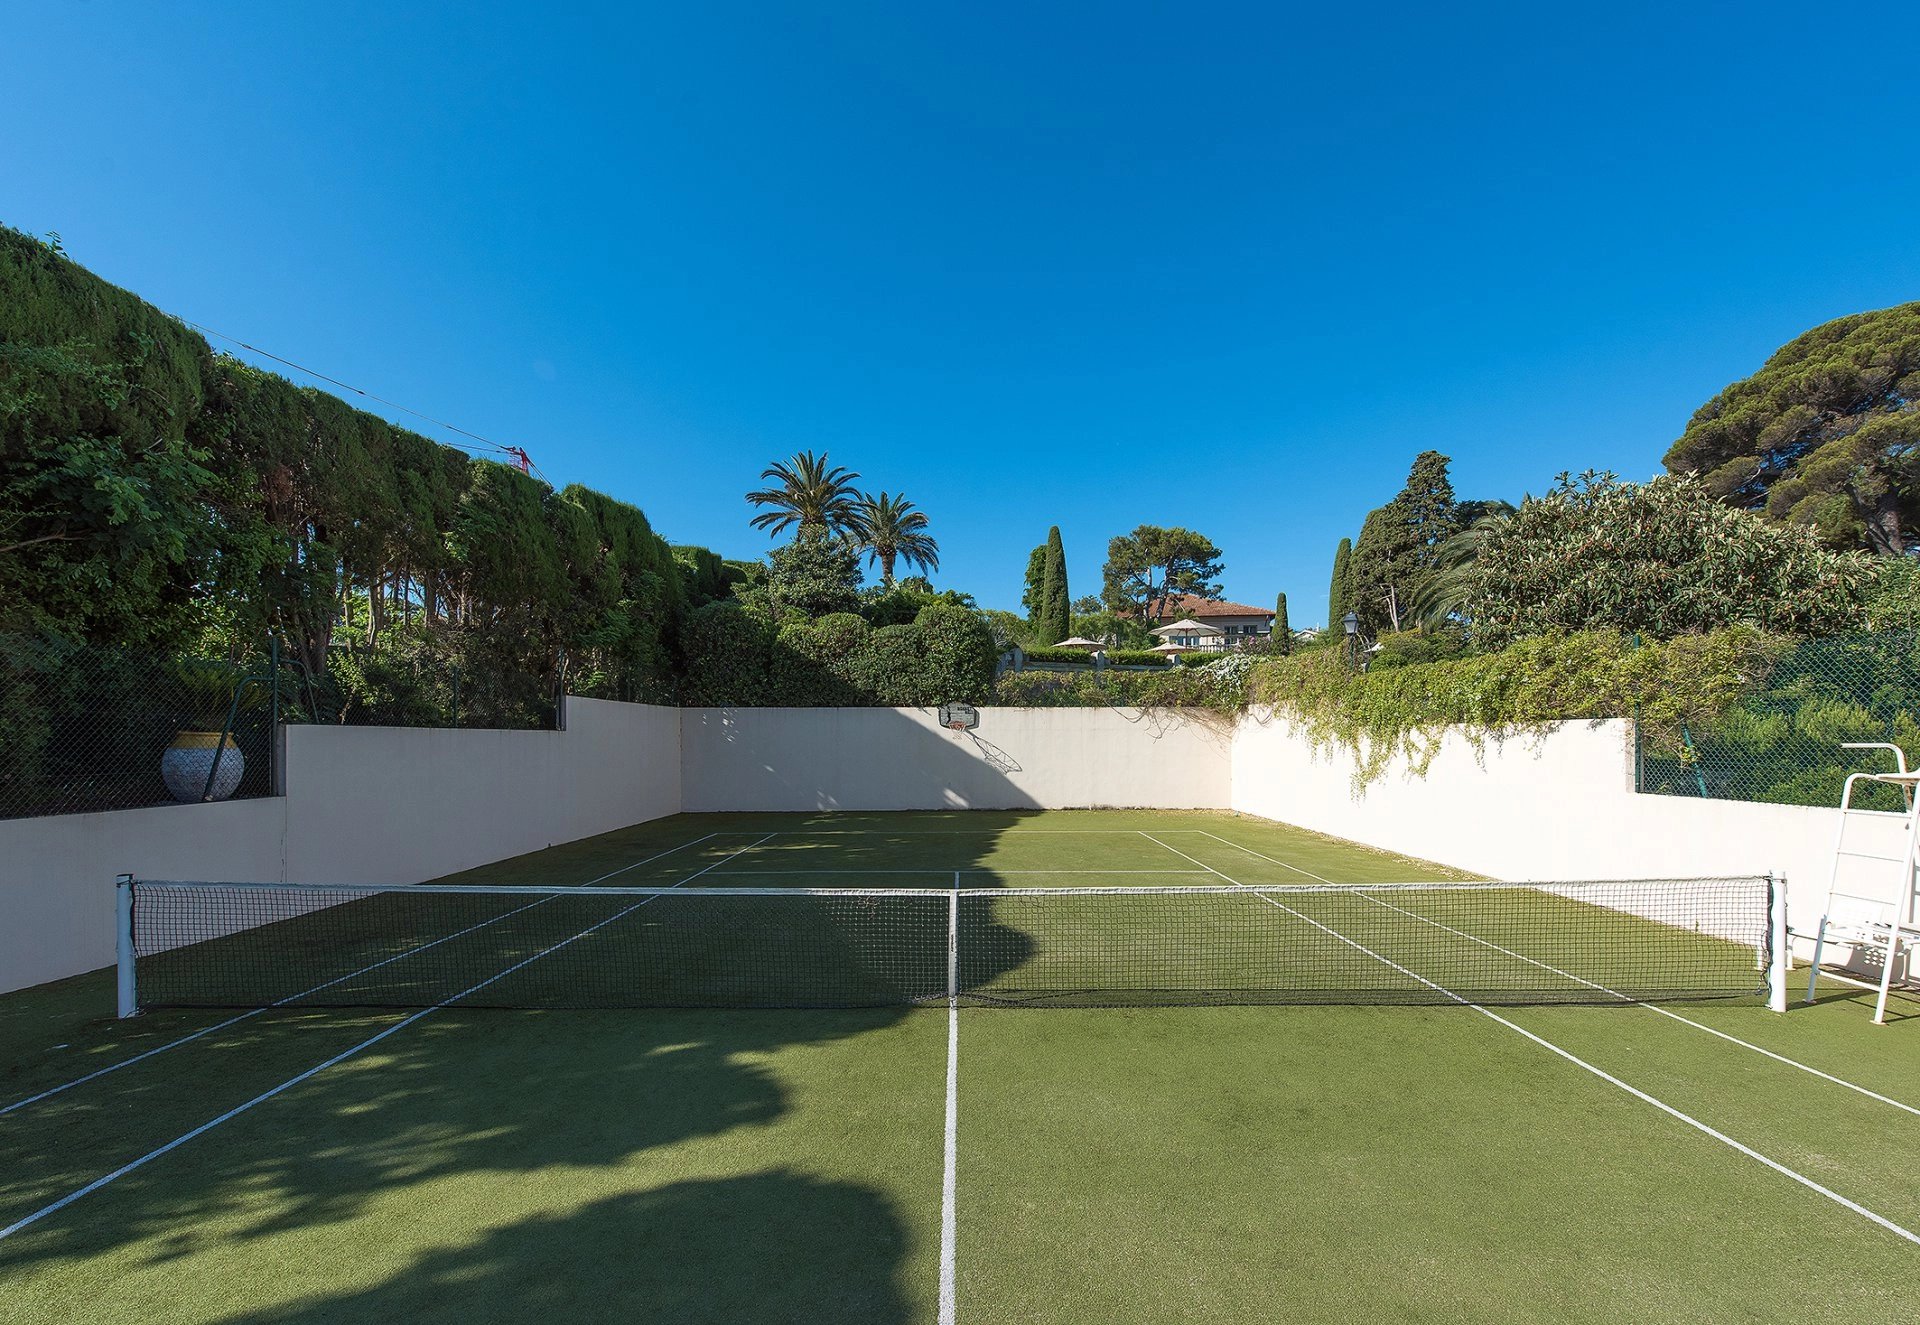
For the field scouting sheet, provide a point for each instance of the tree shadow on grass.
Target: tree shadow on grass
(768, 1247)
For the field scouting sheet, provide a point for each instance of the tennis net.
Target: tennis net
(189, 944)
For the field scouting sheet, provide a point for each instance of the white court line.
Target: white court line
(1608, 1077)
(950, 1170)
(1651, 1007)
(351, 975)
(314, 1071)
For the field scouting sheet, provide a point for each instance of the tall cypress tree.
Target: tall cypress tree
(1057, 611)
(1282, 629)
(1337, 593)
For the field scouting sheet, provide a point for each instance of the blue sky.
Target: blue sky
(1222, 266)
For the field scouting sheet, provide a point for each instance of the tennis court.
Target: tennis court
(1063, 1066)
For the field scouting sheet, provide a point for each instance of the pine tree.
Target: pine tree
(1282, 629)
(1337, 593)
(1056, 620)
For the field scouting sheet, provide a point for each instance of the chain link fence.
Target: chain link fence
(85, 728)
(1781, 744)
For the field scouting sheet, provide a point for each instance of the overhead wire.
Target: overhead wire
(486, 443)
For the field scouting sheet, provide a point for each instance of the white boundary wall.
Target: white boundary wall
(363, 805)
(383, 805)
(902, 759)
(1556, 805)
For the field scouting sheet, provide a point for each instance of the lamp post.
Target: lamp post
(1351, 621)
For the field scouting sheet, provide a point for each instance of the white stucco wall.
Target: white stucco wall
(403, 804)
(363, 805)
(902, 759)
(1557, 806)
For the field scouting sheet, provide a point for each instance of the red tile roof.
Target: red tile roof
(1186, 605)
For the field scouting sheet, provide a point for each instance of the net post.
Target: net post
(953, 943)
(1780, 958)
(127, 994)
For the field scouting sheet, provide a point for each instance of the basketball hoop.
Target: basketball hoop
(959, 717)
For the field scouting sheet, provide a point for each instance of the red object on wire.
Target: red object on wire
(520, 457)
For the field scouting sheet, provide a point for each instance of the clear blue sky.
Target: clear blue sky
(1228, 267)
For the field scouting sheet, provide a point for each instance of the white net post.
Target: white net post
(127, 995)
(1781, 957)
(953, 943)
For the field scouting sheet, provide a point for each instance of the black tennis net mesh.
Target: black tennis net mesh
(256, 945)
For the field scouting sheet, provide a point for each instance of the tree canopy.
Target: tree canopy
(1660, 558)
(1826, 434)
(1398, 543)
(809, 494)
(1149, 565)
(891, 531)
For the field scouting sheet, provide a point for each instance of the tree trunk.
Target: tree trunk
(1882, 516)
(887, 556)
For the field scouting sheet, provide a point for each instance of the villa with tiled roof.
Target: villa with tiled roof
(1223, 625)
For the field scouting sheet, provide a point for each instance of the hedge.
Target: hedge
(162, 494)
(738, 658)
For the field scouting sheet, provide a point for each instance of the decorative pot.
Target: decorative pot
(185, 765)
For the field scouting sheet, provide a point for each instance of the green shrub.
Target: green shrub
(892, 670)
(729, 658)
(960, 655)
(1411, 648)
(1053, 655)
(1136, 657)
(1674, 687)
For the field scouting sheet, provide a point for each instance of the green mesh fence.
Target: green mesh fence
(1782, 743)
(86, 728)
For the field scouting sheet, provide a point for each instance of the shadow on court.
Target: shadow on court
(633, 1165)
(778, 1246)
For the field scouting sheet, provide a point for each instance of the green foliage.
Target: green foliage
(1145, 567)
(1780, 742)
(736, 659)
(1826, 434)
(1282, 628)
(1123, 632)
(1050, 654)
(1033, 596)
(1413, 647)
(890, 529)
(1056, 606)
(1007, 628)
(814, 575)
(729, 654)
(1398, 544)
(151, 491)
(810, 496)
(1181, 688)
(899, 603)
(1660, 558)
(1136, 657)
(103, 533)
(1394, 712)
(705, 577)
(960, 655)
(1339, 594)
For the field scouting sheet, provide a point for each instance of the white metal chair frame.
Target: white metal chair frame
(1901, 924)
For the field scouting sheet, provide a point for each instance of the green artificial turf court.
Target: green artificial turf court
(1508, 1160)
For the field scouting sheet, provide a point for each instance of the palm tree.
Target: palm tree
(810, 494)
(891, 530)
(1443, 593)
